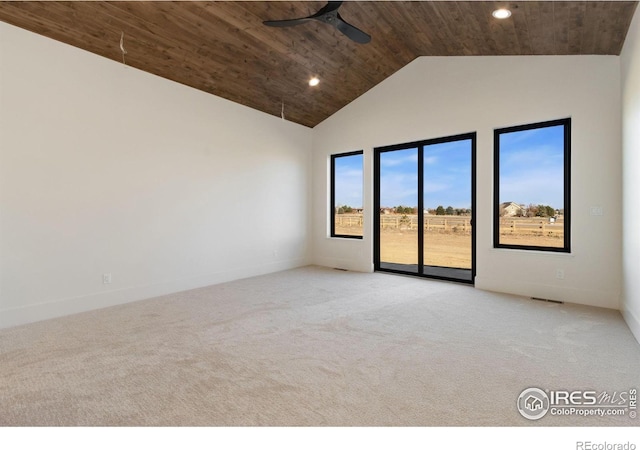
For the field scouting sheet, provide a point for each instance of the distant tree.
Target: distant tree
(543, 211)
(341, 210)
(440, 211)
(348, 209)
(449, 210)
(540, 211)
(404, 210)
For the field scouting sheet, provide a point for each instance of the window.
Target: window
(346, 195)
(532, 186)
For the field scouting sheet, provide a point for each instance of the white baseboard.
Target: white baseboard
(91, 301)
(633, 322)
(346, 264)
(589, 297)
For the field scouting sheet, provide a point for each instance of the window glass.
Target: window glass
(346, 195)
(531, 204)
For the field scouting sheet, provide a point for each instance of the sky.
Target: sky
(349, 181)
(447, 176)
(531, 171)
(532, 167)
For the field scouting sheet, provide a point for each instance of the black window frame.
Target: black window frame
(420, 145)
(566, 123)
(332, 196)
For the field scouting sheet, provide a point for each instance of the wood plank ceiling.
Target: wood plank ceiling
(224, 49)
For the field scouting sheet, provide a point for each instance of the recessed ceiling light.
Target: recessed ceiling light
(314, 81)
(501, 13)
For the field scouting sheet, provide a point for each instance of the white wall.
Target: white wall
(441, 96)
(630, 60)
(106, 169)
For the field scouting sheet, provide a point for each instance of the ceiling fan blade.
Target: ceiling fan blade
(351, 32)
(285, 23)
(326, 9)
(329, 15)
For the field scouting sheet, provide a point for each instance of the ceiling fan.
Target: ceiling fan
(328, 14)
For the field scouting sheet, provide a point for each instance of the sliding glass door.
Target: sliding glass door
(425, 197)
(398, 227)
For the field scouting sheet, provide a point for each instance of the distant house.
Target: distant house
(511, 209)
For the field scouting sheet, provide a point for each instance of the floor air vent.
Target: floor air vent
(547, 300)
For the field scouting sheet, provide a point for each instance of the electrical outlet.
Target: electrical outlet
(560, 274)
(106, 278)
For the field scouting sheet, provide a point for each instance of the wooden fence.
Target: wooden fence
(531, 225)
(456, 224)
(349, 220)
(410, 222)
(431, 223)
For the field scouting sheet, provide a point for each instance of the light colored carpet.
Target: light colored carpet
(313, 346)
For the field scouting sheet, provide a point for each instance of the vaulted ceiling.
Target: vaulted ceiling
(224, 49)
